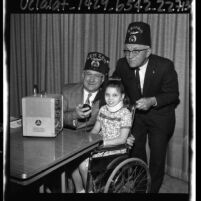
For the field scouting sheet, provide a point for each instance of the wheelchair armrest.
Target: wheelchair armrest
(104, 151)
(102, 148)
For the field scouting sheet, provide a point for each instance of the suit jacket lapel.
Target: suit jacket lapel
(79, 95)
(149, 75)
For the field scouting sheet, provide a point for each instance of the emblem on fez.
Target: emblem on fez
(132, 39)
(95, 63)
(133, 34)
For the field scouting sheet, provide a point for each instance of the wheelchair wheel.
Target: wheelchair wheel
(101, 171)
(130, 176)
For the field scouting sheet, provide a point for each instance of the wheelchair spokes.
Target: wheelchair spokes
(130, 176)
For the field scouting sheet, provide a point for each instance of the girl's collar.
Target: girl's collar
(116, 107)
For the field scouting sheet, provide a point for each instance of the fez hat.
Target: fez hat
(138, 33)
(97, 62)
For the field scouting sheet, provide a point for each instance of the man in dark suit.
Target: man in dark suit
(151, 83)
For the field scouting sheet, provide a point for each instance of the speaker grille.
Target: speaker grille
(38, 107)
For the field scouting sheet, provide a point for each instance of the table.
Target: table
(32, 158)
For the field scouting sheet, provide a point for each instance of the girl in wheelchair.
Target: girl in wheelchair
(113, 123)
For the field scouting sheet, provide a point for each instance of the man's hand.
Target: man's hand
(130, 140)
(81, 112)
(145, 103)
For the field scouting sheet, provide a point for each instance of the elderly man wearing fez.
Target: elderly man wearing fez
(83, 100)
(151, 83)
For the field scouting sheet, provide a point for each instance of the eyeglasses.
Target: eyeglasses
(133, 52)
(97, 76)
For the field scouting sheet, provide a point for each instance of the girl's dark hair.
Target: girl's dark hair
(116, 83)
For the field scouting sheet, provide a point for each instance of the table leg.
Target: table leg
(42, 189)
(63, 182)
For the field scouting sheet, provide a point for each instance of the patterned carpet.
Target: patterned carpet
(174, 185)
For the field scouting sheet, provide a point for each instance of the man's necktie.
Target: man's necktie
(88, 97)
(137, 77)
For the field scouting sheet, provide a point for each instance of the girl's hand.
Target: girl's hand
(130, 140)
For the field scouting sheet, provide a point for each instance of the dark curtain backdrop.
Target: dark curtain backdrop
(50, 50)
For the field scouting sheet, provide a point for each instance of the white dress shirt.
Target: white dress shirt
(142, 71)
(91, 98)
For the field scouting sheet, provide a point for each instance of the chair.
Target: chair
(117, 172)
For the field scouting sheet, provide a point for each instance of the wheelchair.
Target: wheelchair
(112, 170)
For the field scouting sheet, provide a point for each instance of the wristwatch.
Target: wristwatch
(75, 122)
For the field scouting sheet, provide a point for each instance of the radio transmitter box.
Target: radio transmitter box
(42, 115)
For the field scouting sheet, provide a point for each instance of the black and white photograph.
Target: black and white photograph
(100, 97)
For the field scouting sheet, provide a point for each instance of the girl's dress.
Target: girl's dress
(111, 123)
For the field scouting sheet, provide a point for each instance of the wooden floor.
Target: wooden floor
(174, 185)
